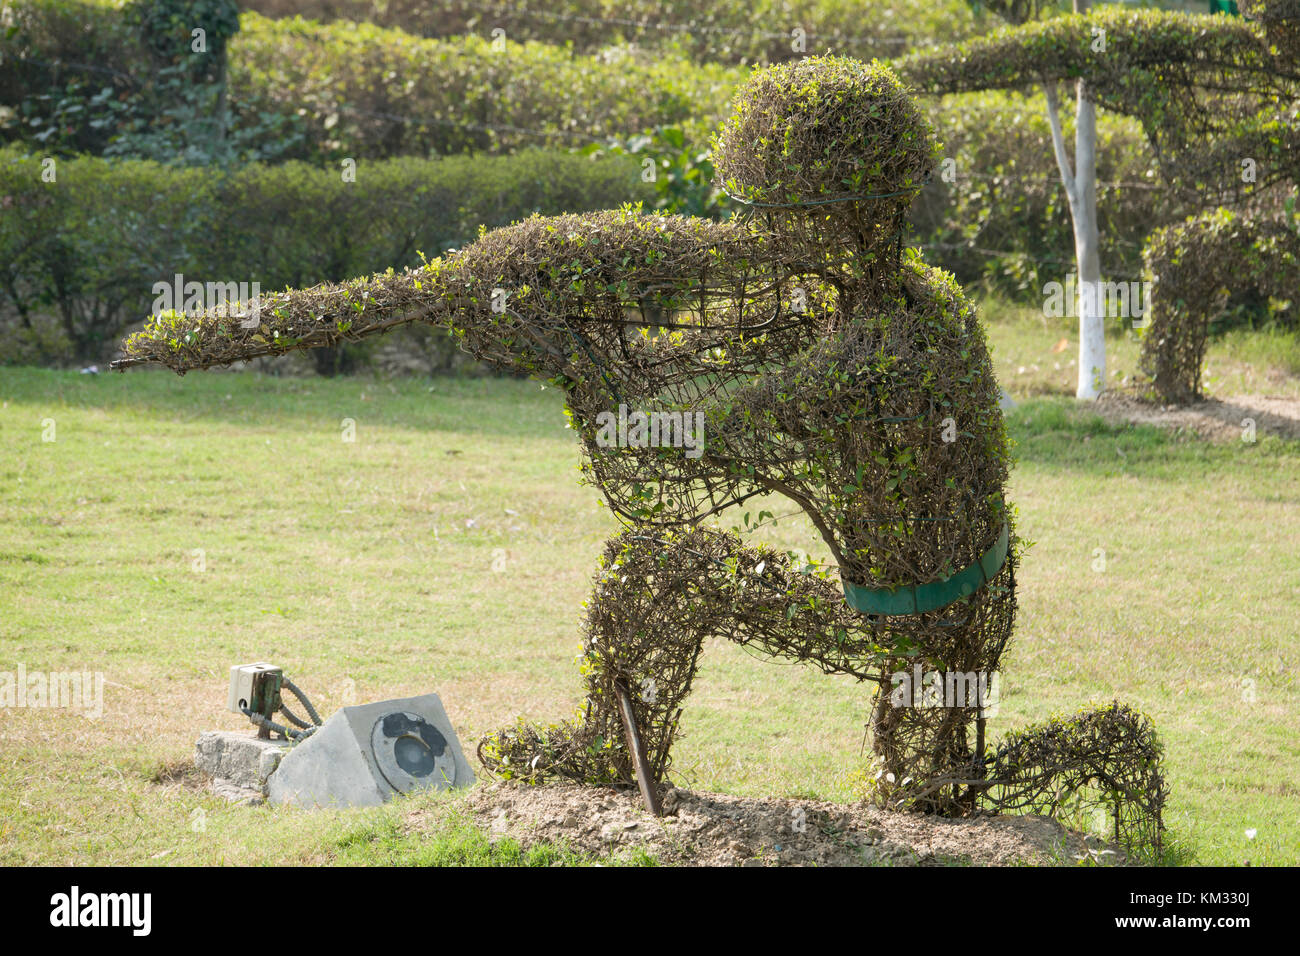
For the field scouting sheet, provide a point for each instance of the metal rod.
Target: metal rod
(644, 778)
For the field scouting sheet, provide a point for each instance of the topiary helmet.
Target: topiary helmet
(810, 134)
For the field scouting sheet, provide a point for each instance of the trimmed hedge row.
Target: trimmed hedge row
(324, 92)
(1002, 216)
(724, 31)
(355, 90)
(367, 91)
(79, 256)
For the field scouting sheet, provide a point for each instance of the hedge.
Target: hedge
(325, 92)
(79, 256)
(321, 93)
(724, 31)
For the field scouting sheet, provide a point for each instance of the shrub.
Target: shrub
(313, 92)
(1210, 90)
(1192, 266)
(725, 31)
(316, 92)
(86, 248)
(457, 95)
(119, 78)
(63, 66)
(84, 252)
(683, 175)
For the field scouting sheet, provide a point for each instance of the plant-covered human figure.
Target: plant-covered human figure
(811, 356)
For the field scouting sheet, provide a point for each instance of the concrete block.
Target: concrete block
(229, 792)
(242, 760)
(363, 755)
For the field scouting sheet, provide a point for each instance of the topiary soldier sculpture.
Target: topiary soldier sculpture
(817, 359)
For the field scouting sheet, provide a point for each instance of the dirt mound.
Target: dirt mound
(710, 829)
(1209, 418)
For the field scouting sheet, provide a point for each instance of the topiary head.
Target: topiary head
(828, 145)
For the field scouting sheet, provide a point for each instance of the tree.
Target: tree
(1186, 78)
(1081, 191)
(1079, 178)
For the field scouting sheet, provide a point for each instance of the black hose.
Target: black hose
(280, 729)
(294, 718)
(311, 711)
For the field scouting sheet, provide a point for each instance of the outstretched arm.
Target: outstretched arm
(281, 322)
(545, 295)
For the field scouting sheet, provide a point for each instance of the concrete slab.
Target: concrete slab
(234, 794)
(363, 755)
(239, 760)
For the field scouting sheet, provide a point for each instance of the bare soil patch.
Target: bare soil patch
(1213, 419)
(710, 829)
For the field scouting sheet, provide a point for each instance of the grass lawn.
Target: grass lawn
(175, 527)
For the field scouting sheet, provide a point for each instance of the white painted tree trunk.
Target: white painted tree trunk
(1087, 254)
(1081, 190)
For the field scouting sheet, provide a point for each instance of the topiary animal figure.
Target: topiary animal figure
(817, 359)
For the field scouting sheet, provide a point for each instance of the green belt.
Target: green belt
(919, 598)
